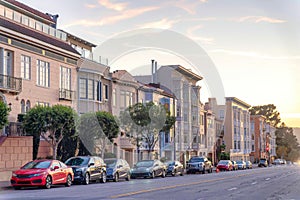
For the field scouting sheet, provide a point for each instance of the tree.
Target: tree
(96, 130)
(269, 111)
(144, 122)
(4, 111)
(51, 123)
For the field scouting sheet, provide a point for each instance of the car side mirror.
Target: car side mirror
(91, 164)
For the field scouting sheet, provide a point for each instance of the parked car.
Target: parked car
(43, 173)
(174, 168)
(263, 162)
(225, 165)
(234, 165)
(148, 168)
(117, 169)
(248, 164)
(241, 164)
(87, 169)
(199, 164)
(278, 161)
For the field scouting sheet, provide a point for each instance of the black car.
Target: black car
(148, 169)
(263, 162)
(174, 168)
(117, 169)
(87, 168)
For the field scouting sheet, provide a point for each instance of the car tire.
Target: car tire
(116, 178)
(163, 174)
(174, 172)
(182, 173)
(86, 180)
(128, 177)
(69, 181)
(103, 177)
(17, 187)
(48, 182)
(153, 175)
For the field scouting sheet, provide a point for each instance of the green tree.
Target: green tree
(269, 111)
(96, 130)
(51, 123)
(144, 122)
(4, 111)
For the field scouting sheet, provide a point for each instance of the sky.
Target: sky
(254, 45)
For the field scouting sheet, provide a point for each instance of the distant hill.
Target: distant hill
(297, 133)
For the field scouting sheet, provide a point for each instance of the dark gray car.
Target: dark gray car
(148, 169)
(117, 169)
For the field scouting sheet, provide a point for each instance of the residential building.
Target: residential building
(236, 118)
(37, 65)
(271, 143)
(183, 83)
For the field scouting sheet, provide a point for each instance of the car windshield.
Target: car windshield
(223, 162)
(170, 163)
(239, 162)
(197, 159)
(79, 161)
(148, 163)
(262, 160)
(110, 163)
(37, 165)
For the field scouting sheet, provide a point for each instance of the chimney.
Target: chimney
(54, 17)
(152, 71)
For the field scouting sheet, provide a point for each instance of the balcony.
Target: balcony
(10, 84)
(65, 94)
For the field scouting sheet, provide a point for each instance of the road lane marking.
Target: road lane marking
(253, 183)
(267, 179)
(234, 188)
(179, 185)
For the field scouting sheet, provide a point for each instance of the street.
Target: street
(277, 182)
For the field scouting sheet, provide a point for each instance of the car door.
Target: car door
(126, 167)
(92, 168)
(57, 173)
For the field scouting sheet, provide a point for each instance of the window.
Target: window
(8, 13)
(43, 73)
(83, 88)
(25, 67)
(25, 20)
(90, 89)
(114, 97)
(221, 114)
(43, 104)
(1, 10)
(23, 110)
(239, 144)
(65, 78)
(28, 106)
(106, 91)
(98, 91)
(234, 144)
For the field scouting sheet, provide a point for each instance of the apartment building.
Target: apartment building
(183, 83)
(236, 124)
(210, 131)
(38, 66)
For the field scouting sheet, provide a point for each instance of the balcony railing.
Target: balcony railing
(65, 94)
(11, 84)
(14, 129)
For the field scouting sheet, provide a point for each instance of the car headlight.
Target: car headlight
(14, 175)
(39, 174)
(148, 169)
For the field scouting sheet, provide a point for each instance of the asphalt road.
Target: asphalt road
(272, 183)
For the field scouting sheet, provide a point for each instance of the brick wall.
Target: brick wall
(14, 152)
(44, 149)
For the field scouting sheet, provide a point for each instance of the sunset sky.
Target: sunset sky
(253, 44)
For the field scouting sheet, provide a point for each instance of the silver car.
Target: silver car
(241, 164)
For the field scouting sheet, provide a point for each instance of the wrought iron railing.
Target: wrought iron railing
(65, 94)
(10, 83)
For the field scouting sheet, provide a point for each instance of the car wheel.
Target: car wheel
(174, 173)
(103, 178)
(86, 179)
(153, 175)
(128, 177)
(116, 179)
(181, 174)
(48, 182)
(69, 181)
(163, 174)
(17, 187)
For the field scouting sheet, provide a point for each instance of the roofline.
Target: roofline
(185, 71)
(234, 99)
(79, 39)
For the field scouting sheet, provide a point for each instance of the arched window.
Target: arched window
(23, 106)
(28, 105)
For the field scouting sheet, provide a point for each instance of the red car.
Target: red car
(42, 173)
(225, 165)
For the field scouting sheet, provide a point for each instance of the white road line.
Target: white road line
(267, 179)
(253, 183)
(234, 188)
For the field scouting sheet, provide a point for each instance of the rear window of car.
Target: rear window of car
(197, 159)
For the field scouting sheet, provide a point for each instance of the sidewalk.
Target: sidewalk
(5, 185)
